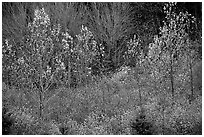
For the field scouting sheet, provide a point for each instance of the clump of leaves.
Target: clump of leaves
(94, 124)
(23, 123)
(6, 122)
(140, 126)
(69, 127)
(99, 123)
(20, 121)
(184, 118)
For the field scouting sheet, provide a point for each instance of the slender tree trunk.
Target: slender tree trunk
(41, 99)
(172, 81)
(41, 90)
(103, 110)
(140, 93)
(41, 103)
(69, 71)
(171, 75)
(163, 115)
(140, 96)
(191, 77)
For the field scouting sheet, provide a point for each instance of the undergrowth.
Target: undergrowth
(92, 110)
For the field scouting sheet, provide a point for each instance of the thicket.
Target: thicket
(56, 81)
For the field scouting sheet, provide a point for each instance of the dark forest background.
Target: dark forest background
(141, 19)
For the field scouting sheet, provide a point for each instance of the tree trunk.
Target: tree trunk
(41, 90)
(172, 80)
(191, 77)
(41, 104)
(140, 94)
(171, 75)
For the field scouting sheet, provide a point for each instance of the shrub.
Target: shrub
(140, 126)
(7, 122)
(197, 76)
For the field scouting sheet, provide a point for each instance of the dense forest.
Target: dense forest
(101, 68)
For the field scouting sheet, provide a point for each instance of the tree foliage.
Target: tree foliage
(47, 56)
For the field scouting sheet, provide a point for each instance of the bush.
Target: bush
(197, 77)
(7, 122)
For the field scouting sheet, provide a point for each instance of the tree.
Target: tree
(173, 40)
(46, 55)
(111, 24)
(166, 51)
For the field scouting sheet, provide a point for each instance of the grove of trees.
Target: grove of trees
(101, 68)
